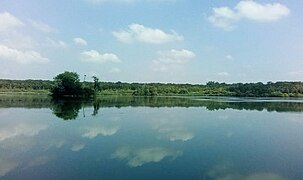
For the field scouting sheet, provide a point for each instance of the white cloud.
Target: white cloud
(23, 57)
(223, 17)
(80, 41)
(115, 70)
(226, 17)
(296, 73)
(55, 43)
(140, 33)
(139, 157)
(96, 57)
(229, 57)
(126, 1)
(261, 12)
(172, 60)
(19, 41)
(42, 26)
(224, 74)
(8, 21)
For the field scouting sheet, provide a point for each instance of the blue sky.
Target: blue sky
(180, 41)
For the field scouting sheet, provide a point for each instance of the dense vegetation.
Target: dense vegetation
(69, 84)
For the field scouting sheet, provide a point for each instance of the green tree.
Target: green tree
(68, 84)
(96, 83)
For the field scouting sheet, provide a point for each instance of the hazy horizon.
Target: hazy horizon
(151, 41)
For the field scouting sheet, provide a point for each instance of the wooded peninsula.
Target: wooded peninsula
(68, 83)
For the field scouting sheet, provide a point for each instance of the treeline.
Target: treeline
(25, 84)
(270, 89)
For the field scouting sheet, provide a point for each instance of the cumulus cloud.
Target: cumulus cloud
(226, 17)
(8, 21)
(172, 60)
(43, 27)
(80, 41)
(115, 70)
(126, 1)
(96, 57)
(55, 43)
(296, 73)
(140, 33)
(224, 74)
(23, 57)
(141, 156)
(229, 57)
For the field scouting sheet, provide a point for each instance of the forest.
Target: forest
(259, 89)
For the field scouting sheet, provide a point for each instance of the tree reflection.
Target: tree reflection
(96, 105)
(69, 108)
(66, 109)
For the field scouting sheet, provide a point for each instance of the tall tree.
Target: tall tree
(68, 84)
(96, 83)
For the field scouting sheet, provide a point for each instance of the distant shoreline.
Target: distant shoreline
(270, 89)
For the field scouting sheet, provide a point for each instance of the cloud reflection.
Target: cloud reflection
(172, 130)
(7, 166)
(77, 147)
(226, 171)
(92, 132)
(22, 129)
(39, 161)
(139, 157)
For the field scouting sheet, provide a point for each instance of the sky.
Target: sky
(169, 41)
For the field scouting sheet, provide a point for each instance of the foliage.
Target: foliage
(96, 83)
(68, 84)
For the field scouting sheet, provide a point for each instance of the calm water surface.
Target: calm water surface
(151, 138)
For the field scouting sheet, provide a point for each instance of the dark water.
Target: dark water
(151, 138)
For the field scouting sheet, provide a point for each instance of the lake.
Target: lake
(151, 138)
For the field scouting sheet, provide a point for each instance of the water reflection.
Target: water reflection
(66, 109)
(136, 157)
(227, 171)
(21, 129)
(149, 138)
(172, 129)
(39, 161)
(77, 147)
(92, 132)
(69, 109)
(6, 166)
